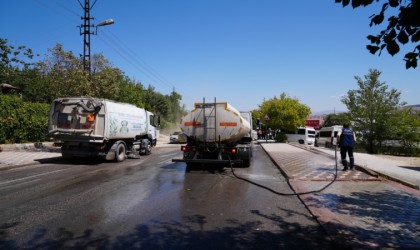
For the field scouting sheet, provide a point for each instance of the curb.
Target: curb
(406, 183)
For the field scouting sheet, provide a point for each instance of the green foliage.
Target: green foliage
(337, 119)
(61, 74)
(372, 108)
(12, 58)
(403, 28)
(285, 113)
(406, 132)
(156, 102)
(131, 92)
(22, 121)
(175, 110)
(256, 115)
(280, 137)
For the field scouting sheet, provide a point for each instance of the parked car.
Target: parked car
(173, 138)
(177, 137)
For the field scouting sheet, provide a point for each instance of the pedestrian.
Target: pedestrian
(346, 140)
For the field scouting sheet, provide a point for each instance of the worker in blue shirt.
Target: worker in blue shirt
(346, 138)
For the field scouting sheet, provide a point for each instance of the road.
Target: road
(152, 203)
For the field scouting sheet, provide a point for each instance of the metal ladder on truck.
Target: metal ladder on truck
(208, 115)
(210, 126)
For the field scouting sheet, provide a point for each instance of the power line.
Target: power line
(59, 3)
(53, 10)
(150, 68)
(134, 60)
(112, 41)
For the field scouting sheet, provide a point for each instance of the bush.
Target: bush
(280, 137)
(22, 121)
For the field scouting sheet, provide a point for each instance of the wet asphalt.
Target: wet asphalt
(154, 203)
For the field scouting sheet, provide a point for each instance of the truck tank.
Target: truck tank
(95, 119)
(214, 122)
(99, 127)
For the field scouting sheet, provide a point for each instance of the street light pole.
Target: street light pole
(104, 23)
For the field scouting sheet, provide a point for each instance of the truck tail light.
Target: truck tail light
(231, 150)
(186, 148)
(90, 117)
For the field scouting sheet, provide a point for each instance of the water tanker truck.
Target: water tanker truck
(217, 134)
(99, 127)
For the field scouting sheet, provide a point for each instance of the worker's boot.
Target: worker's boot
(345, 165)
(352, 163)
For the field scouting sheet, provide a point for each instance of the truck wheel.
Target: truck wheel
(301, 141)
(246, 163)
(148, 149)
(120, 154)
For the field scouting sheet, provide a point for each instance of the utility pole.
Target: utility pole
(86, 34)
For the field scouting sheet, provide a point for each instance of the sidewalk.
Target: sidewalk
(359, 212)
(392, 169)
(12, 155)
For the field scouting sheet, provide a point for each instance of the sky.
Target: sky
(237, 51)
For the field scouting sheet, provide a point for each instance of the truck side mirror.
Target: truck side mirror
(158, 121)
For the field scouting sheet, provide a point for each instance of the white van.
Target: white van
(327, 136)
(304, 135)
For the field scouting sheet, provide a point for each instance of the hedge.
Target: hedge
(22, 121)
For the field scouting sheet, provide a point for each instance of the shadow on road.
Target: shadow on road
(191, 233)
(386, 219)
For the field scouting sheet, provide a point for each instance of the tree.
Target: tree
(258, 118)
(131, 92)
(156, 102)
(16, 66)
(337, 119)
(13, 58)
(175, 109)
(402, 28)
(105, 79)
(406, 131)
(285, 113)
(63, 73)
(371, 107)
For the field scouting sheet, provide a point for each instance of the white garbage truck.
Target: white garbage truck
(99, 127)
(217, 134)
